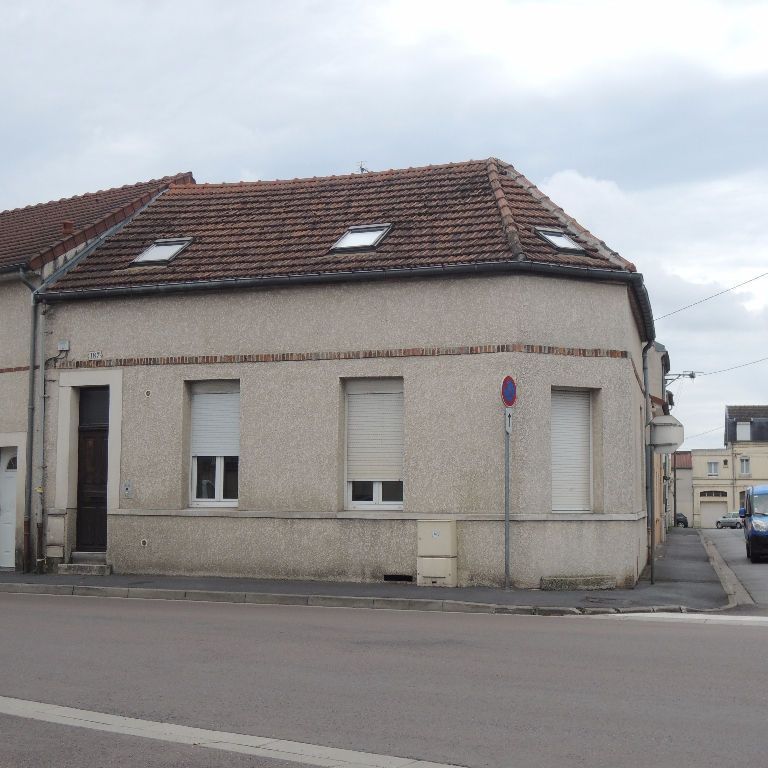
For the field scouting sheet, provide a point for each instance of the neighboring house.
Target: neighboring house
(294, 378)
(35, 242)
(682, 484)
(721, 475)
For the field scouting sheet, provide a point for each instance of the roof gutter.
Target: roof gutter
(633, 279)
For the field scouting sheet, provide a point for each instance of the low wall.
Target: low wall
(365, 550)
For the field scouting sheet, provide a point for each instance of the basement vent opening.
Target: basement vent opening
(559, 239)
(359, 238)
(397, 577)
(162, 251)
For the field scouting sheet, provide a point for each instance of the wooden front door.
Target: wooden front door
(92, 469)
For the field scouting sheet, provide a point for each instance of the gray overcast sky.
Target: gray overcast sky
(646, 121)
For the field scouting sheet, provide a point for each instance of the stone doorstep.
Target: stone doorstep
(84, 569)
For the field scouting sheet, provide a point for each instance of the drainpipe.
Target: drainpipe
(648, 456)
(27, 553)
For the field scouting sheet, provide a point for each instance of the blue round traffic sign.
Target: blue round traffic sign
(508, 391)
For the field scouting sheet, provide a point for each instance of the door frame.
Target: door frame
(18, 440)
(60, 539)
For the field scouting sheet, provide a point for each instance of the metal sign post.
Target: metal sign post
(508, 397)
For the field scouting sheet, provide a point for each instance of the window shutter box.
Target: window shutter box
(571, 451)
(215, 419)
(375, 430)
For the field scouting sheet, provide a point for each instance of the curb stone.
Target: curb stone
(269, 598)
(214, 596)
(145, 593)
(549, 610)
(461, 607)
(37, 589)
(733, 588)
(518, 610)
(91, 591)
(331, 601)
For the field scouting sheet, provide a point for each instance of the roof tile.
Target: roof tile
(28, 234)
(461, 213)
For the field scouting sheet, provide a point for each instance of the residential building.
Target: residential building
(721, 476)
(289, 378)
(35, 243)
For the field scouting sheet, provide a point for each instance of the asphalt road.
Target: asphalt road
(754, 576)
(474, 690)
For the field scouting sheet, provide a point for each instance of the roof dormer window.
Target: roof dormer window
(162, 251)
(359, 238)
(559, 239)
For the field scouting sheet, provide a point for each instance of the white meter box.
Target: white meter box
(436, 538)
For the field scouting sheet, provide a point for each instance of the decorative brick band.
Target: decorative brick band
(17, 369)
(300, 357)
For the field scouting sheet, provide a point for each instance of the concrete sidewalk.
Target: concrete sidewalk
(685, 581)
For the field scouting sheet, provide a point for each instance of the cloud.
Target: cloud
(691, 241)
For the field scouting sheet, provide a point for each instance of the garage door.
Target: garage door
(711, 512)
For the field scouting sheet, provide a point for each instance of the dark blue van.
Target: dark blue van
(755, 515)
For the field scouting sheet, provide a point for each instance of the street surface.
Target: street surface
(754, 576)
(467, 689)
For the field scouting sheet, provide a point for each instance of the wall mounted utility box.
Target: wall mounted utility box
(437, 553)
(436, 571)
(437, 538)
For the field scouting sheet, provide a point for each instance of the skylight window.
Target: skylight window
(559, 239)
(362, 237)
(162, 251)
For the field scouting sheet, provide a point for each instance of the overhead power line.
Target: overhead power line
(713, 296)
(734, 367)
(706, 432)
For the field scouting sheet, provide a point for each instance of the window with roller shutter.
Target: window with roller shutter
(571, 451)
(215, 442)
(375, 439)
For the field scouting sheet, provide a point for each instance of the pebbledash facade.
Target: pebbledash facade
(35, 243)
(284, 379)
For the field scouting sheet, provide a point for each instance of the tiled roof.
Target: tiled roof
(682, 460)
(28, 236)
(746, 412)
(462, 213)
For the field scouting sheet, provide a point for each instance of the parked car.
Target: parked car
(754, 513)
(729, 520)
(681, 521)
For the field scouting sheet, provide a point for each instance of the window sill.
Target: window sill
(375, 508)
(213, 505)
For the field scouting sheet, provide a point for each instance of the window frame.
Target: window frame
(218, 501)
(748, 426)
(385, 229)
(182, 242)
(545, 233)
(716, 465)
(377, 503)
(742, 461)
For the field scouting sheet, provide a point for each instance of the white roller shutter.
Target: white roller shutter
(215, 427)
(375, 429)
(571, 451)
